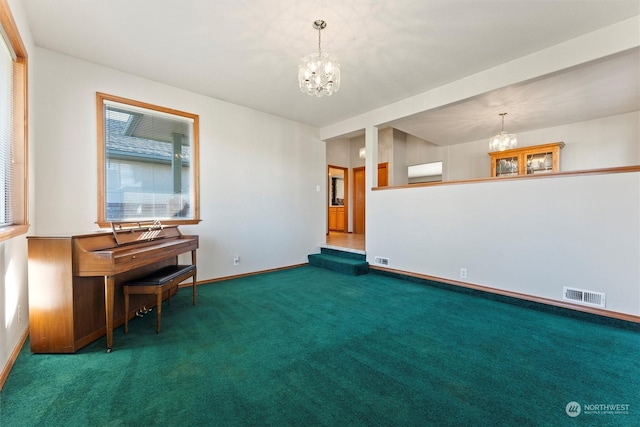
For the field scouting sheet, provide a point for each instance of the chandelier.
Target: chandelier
(319, 73)
(503, 141)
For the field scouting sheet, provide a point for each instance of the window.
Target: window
(13, 133)
(147, 163)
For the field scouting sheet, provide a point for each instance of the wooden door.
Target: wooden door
(358, 200)
(383, 174)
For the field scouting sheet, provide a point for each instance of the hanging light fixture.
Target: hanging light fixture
(503, 141)
(319, 73)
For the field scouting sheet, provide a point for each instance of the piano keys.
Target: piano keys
(75, 280)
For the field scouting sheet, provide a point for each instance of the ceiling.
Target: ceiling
(246, 52)
(602, 88)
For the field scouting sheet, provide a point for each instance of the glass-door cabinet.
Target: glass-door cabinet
(527, 160)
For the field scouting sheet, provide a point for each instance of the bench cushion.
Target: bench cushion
(162, 276)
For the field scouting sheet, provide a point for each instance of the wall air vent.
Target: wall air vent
(580, 296)
(382, 261)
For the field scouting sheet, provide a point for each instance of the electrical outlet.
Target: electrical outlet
(463, 273)
(236, 260)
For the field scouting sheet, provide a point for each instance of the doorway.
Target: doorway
(338, 199)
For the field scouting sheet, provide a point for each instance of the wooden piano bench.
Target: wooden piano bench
(157, 283)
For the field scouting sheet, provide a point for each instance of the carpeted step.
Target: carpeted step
(343, 253)
(340, 263)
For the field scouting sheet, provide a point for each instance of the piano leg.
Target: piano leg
(193, 262)
(109, 291)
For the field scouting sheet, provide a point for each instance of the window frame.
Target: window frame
(19, 190)
(195, 161)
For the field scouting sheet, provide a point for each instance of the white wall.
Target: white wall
(338, 153)
(599, 143)
(262, 178)
(528, 236)
(14, 295)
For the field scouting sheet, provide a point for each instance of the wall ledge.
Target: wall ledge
(601, 171)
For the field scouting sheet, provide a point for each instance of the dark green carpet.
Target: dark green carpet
(310, 347)
(340, 264)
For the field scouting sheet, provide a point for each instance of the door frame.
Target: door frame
(346, 195)
(383, 181)
(362, 170)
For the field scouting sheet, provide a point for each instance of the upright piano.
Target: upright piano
(75, 280)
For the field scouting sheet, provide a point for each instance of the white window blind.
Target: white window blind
(6, 132)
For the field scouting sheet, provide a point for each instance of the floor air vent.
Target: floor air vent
(382, 261)
(581, 296)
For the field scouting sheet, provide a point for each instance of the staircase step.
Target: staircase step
(339, 263)
(343, 253)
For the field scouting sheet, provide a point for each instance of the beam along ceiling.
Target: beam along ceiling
(246, 52)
